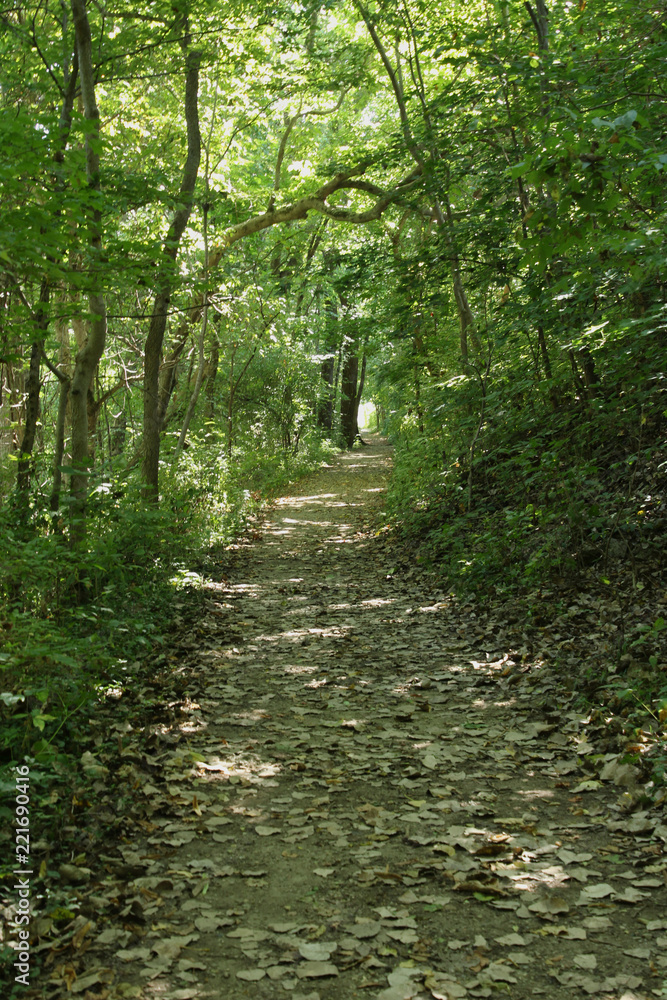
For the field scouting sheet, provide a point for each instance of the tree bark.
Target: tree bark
(158, 323)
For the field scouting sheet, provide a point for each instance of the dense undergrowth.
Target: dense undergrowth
(545, 503)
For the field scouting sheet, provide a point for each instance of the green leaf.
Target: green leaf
(518, 170)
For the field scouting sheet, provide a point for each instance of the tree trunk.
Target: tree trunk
(348, 402)
(117, 434)
(89, 355)
(418, 404)
(158, 323)
(59, 451)
(230, 401)
(360, 390)
(544, 353)
(591, 377)
(211, 373)
(467, 321)
(33, 387)
(540, 19)
(230, 421)
(168, 374)
(189, 413)
(325, 405)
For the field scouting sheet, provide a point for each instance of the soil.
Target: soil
(353, 794)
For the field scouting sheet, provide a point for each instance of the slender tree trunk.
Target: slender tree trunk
(544, 352)
(540, 18)
(196, 390)
(15, 395)
(59, 452)
(418, 404)
(158, 323)
(348, 402)
(117, 433)
(360, 389)
(230, 422)
(211, 373)
(467, 321)
(89, 355)
(168, 374)
(230, 402)
(33, 388)
(336, 382)
(576, 377)
(483, 379)
(325, 406)
(591, 377)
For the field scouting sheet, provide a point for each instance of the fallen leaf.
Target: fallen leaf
(251, 975)
(549, 907)
(82, 983)
(74, 875)
(367, 929)
(643, 953)
(316, 970)
(318, 951)
(498, 973)
(511, 940)
(588, 962)
(591, 892)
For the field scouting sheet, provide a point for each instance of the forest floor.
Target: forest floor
(337, 784)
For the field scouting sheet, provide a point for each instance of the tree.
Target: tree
(165, 280)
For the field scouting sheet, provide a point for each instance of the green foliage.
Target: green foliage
(548, 493)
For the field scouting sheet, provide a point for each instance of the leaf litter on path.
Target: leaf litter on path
(356, 793)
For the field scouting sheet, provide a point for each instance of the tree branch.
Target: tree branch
(317, 202)
(396, 86)
(53, 369)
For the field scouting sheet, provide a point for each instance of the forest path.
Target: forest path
(360, 801)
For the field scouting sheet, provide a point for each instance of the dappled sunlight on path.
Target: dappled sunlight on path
(362, 796)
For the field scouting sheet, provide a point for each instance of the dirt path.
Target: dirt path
(359, 800)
